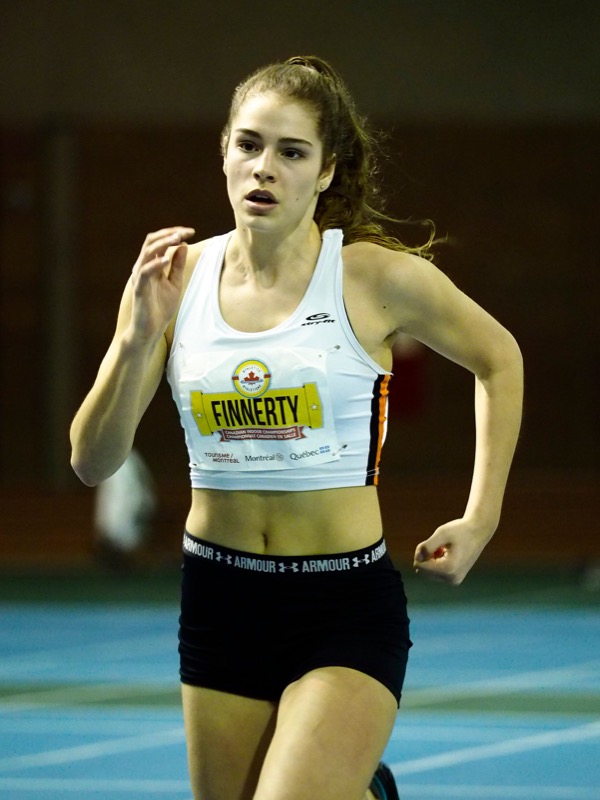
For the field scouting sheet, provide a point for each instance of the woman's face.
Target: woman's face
(273, 164)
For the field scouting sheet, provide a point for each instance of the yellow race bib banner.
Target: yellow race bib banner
(278, 414)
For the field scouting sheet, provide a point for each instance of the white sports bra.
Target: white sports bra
(301, 406)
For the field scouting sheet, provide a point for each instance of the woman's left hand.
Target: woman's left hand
(451, 551)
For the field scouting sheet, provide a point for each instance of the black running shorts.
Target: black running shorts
(252, 624)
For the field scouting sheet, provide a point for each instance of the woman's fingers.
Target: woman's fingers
(157, 279)
(156, 245)
(178, 232)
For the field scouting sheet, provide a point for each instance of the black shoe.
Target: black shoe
(383, 784)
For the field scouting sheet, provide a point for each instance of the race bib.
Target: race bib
(263, 411)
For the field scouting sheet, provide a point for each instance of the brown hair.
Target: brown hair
(352, 202)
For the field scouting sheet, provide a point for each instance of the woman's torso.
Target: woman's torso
(296, 522)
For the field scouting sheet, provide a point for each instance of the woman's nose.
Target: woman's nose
(264, 168)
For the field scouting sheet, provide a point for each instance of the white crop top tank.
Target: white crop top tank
(298, 407)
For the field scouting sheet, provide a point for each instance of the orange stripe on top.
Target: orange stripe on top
(381, 428)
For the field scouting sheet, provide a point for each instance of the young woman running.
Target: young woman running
(277, 340)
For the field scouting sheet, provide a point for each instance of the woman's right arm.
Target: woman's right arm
(104, 427)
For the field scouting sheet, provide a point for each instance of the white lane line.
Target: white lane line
(110, 722)
(536, 679)
(537, 792)
(34, 662)
(507, 747)
(174, 787)
(67, 755)
(462, 642)
(480, 732)
(69, 695)
(85, 786)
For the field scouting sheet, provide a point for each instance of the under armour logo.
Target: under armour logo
(294, 567)
(357, 561)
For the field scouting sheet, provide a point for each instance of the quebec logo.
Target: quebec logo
(317, 319)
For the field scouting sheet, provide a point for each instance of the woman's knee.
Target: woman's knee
(333, 726)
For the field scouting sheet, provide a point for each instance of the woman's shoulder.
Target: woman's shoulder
(194, 254)
(378, 255)
(399, 286)
(369, 262)
(195, 250)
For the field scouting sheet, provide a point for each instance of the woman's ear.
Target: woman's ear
(327, 175)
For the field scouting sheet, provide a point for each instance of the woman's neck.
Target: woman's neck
(267, 255)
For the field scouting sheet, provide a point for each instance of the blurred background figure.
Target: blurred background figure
(124, 511)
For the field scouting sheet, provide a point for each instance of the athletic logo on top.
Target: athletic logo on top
(317, 319)
(251, 378)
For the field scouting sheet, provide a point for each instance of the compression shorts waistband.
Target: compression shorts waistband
(297, 565)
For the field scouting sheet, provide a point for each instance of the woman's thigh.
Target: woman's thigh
(227, 740)
(332, 727)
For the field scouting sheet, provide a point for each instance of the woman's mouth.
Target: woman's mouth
(261, 199)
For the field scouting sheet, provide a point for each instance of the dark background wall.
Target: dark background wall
(109, 121)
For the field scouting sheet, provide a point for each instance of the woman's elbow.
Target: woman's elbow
(514, 355)
(503, 360)
(84, 461)
(508, 361)
(84, 470)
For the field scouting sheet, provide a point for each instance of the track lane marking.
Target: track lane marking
(507, 747)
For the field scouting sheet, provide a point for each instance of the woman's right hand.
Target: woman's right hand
(157, 281)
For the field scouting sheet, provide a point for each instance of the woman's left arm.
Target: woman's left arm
(429, 307)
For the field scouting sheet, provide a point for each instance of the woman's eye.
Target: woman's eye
(292, 154)
(247, 147)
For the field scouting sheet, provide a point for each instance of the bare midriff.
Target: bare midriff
(287, 523)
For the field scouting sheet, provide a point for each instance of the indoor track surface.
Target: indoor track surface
(502, 699)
